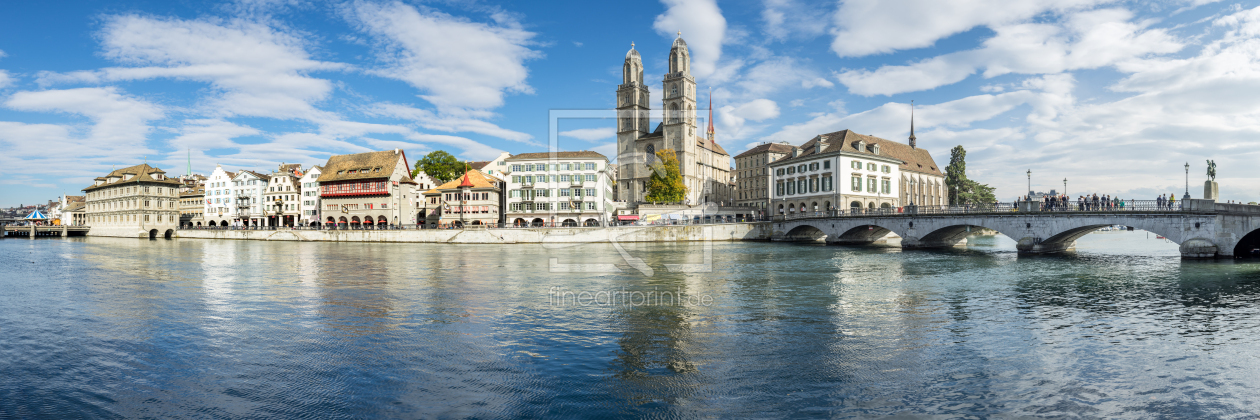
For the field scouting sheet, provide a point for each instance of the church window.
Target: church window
(673, 90)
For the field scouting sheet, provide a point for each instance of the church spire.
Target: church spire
(912, 139)
(711, 114)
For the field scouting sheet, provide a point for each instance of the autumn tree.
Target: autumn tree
(666, 184)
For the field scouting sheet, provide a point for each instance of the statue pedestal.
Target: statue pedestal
(1211, 191)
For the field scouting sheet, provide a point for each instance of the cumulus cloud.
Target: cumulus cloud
(1083, 40)
(448, 123)
(455, 62)
(257, 70)
(702, 26)
(733, 119)
(5, 79)
(590, 134)
(864, 27)
(791, 18)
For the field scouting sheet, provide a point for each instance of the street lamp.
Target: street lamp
(1187, 196)
(1030, 184)
(1065, 187)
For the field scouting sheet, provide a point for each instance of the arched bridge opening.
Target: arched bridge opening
(804, 233)
(1248, 246)
(861, 235)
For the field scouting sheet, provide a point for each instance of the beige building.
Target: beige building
(137, 201)
(366, 190)
(192, 202)
(704, 165)
(281, 197)
(752, 170)
(474, 199)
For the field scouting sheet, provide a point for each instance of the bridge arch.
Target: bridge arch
(1248, 245)
(804, 233)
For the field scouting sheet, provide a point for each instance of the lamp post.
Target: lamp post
(1187, 196)
(1030, 184)
(1065, 187)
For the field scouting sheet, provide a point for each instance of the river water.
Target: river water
(1121, 328)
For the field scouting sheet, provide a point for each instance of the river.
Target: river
(1120, 328)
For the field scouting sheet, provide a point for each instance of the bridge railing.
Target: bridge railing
(1011, 207)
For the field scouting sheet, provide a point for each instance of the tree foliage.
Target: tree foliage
(666, 184)
(962, 190)
(439, 165)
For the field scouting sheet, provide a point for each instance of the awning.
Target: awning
(36, 215)
(628, 217)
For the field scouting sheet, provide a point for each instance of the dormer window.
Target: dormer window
(875, 149)
(861, 146)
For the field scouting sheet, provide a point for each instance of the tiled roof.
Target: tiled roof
(584, 154)
(912, 159)
(477, 178)
(377, 164)
(76, 206)
(247, 171)
(478, 164)
(711, 145)
(140, 173)
(768, 147)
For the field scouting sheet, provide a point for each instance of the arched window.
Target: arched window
(651, 153)
(673, 113)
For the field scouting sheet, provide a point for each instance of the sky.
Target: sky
(1113, 96)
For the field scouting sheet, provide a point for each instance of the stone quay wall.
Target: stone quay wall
(667, 233)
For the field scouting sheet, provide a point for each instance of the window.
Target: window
(857, 184)
(779, 172)
(886, 169)
(801, 185)
(791, 170)
(887, 186)
(590, 205)
(590, 192)
(826, 183)
(590, 178)
(791, 188)
(855, 165)
(870, 167)
(516, 168)
(516, 179)
(813, 185)
(779, 188)
(800, 168)
(827, 164)
(564, 205)
(564, 192)
(870, 184)
(577, 192)
(564, 178)
(590, 166)
(813, 166)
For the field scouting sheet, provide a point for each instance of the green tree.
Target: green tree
(439, 165)
(956, 173)
(962, 190)
(666, 184)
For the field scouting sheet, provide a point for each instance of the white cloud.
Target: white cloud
(118, 119)
(702, 26)
(1084, 40)
(733, 119)
(5, 79)
(257, 70)
(449, 123)
(455, 62)
(205, 134)
(865, 27)
(791, 18)
(590, 134)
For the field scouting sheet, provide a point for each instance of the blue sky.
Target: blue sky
(1114, 96)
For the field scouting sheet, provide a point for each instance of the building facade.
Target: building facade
(137, 201)
(497, 167)
(281, 201)
(192, 202)
(248, 187)
(704, 164)
(559, 189)
(220, 197)
(474, 199)
(366, 190)
(310, 196)
(752, 174)
(846, 170)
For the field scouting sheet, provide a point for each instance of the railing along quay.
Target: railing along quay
(1025, 207)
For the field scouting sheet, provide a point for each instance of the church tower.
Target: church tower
(680, 111)
(633, 111)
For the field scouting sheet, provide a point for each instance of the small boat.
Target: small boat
(1159, 237)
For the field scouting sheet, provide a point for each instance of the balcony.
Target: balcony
(577, 182)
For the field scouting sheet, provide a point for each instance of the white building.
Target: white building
(559, 189)
(847, 170)
(310, 195)
(220, 197)
(497, 168)
(248, 187)
(281, 203)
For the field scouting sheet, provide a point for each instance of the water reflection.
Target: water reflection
(1121, 327)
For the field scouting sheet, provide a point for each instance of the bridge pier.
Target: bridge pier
(1199, 248)
(1035, 246)
(911, 242)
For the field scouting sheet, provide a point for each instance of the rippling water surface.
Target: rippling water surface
(1122, 328)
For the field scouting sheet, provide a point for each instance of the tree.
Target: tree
(666, 184)
(956, 173)
(963, 190)
(439, 165)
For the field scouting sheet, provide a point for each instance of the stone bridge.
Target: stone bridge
(1204, 229)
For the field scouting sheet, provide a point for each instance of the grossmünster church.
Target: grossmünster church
(705, 166)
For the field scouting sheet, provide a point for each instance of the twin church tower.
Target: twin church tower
(705, 166)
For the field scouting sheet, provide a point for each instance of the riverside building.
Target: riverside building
(366, 190)
(752, 169)
(474, 199)
(847, 170)
(559, 189)
(310, 196)
(137, 201)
